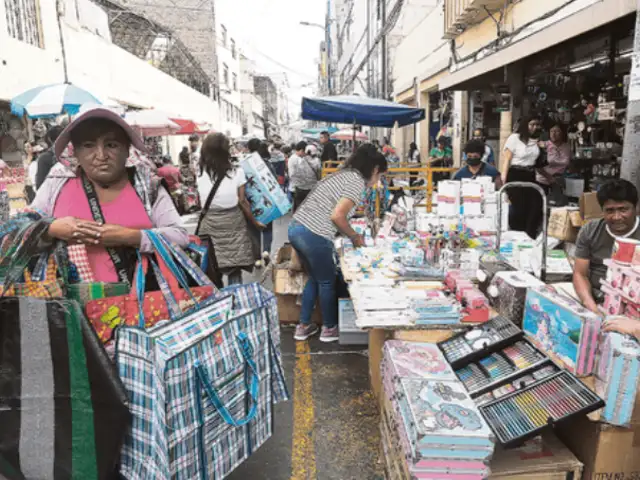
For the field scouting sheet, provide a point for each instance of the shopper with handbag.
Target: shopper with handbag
(104, 202)
(305, 170)
(324, 214)
(226, 211)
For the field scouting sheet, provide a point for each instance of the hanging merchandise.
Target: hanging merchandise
(65, 411)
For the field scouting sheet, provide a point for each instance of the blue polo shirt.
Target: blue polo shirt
(485, 171)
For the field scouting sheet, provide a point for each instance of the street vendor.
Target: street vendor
(474, 151)
(619, 200)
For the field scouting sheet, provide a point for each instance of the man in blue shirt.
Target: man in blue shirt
(474, 151)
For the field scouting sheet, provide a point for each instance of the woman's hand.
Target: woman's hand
(74, 230)
(358, 241)
(259, 225)
(111, 235)
(625, 325)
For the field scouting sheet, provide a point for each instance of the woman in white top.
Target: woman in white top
(225, 221)
(521, 151)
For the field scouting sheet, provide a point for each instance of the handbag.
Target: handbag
(105, 314)
(212, 269)
(19, 249)
(63, 410)
(202, 387)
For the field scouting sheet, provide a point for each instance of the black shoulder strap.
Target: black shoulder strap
(207, 204)
(98, 216)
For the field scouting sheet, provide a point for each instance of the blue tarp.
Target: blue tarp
(348, 109)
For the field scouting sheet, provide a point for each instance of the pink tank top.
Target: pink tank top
(127, 211)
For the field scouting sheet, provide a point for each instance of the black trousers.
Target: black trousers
(299, 197)
(525, 214)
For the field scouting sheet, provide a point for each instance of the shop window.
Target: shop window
(223, 33)
(24, 22)
(233, 49)
(235, 82)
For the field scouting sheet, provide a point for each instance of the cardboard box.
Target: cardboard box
(289, 310)
(607, 452)
(541, 458)
(589, 207)
(288, 279)
(564, 223)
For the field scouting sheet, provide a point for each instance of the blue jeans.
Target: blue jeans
(316, 254)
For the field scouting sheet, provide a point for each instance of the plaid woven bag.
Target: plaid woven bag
(201, 388)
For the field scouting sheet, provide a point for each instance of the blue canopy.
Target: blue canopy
(350, 109)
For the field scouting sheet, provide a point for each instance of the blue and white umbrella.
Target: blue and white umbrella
(51, 100)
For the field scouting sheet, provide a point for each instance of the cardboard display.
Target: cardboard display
(589, 207)
(289, 310)
(288, 279)
(541, 458)
(564, 223)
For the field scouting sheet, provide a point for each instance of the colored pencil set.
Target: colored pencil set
(440, 430)
(499, 366)
(477, 342)
(518, 389)
(524, 414)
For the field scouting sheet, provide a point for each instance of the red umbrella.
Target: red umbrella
(189, 127)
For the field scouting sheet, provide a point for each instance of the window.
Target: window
(23, 21)
(225, 74)
(223, 32)
(235, 82)
(233, 49)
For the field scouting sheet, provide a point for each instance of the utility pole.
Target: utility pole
(60, 11)
(329, 48)
(383, 46)
(369, 73)
(630, 168)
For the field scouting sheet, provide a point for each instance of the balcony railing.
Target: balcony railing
(460, 14)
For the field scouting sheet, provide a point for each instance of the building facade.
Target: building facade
(486, 64)
(229, 59)
(267, 91)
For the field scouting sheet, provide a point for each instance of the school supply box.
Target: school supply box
(563, 328)
(617, 377)
(267, 198)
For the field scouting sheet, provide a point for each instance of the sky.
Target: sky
(271, 35)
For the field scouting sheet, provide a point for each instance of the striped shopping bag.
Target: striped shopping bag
(202, 388)
(63, 409)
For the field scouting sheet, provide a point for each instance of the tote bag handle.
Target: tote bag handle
(252, 384)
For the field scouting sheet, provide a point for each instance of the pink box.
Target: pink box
(613, 301)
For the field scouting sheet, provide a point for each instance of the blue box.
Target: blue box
(561, 327)
(267, 198)
(617, 377)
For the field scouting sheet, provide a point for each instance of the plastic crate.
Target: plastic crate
(350, 334)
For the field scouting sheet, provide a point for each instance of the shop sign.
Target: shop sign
(607, 111)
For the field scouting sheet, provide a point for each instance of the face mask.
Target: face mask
(474, 162)
(536, 134)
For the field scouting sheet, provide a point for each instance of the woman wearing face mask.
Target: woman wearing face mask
(521, 151)
(558, 158)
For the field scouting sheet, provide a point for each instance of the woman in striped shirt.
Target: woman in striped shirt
(324, 214)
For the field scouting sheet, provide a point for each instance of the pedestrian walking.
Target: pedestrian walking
(31, 170)
(261, 150)
(47, 159)
(305, 171)
(325, 213)
(227, 213)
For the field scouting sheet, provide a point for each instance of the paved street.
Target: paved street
(329, 428)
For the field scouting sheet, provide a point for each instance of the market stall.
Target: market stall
(472, 356)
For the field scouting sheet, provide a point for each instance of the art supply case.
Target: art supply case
(617, 375)
(478, 342)
(563, 328)
(525, 413)
(488, 267)
(508, 291)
